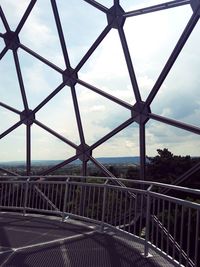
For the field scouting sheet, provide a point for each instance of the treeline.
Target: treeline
(165, 167)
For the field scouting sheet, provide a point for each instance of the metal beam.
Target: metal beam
(102, 167)
(9, 172)
(42, 59)
(4, 20)
(25, 16)
(184, 37)
(129, 64)
(57, 135)
(10, 108)
(60, 165)
(155, 8)
(104, 94)
(97, 5)
(60, 33)
(77, 114)
(112, 133)
(175, 123)
(3, 52)
(183, 177)
(12, 128)
(49, 97)
(20, 79)
(142, 151)
(28, 150)
(84, 168)
(92, 48)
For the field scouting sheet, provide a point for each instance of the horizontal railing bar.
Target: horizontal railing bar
(82, 218)
(44, 211)
(83, 200)
(175, 187)
(11, 207)
(182, 202)
(134, 190)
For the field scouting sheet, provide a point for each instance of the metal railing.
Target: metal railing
(168, 224)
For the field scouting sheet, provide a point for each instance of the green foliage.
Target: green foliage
(166, 167)
(132, 172)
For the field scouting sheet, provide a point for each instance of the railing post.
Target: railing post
(146, 245)
(103, 208)
(26, 196)
(82, 202)
(65, 199)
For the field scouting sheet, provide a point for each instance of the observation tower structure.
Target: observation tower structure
(84, 79)
(19, 45)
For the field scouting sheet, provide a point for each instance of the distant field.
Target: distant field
(103, 160)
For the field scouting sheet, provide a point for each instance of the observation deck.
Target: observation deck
(78, 221)
(83, 79)
(45, 241)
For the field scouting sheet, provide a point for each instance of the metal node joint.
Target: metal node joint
(85, 151)
(140, 112)
(115, 16)
(70, 77)
(27, 116)
(195, 4)
(11, 40)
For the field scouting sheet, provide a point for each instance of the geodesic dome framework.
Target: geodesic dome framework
(139, 109)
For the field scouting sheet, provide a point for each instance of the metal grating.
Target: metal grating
(78, 245)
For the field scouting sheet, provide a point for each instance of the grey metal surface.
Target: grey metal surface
(76, 245)
(166, 223)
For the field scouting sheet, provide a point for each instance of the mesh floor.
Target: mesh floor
(35, 241)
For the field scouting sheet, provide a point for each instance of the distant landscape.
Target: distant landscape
(104, 160)
(165, 167)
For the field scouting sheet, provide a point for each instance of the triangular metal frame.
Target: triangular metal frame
(140, 112)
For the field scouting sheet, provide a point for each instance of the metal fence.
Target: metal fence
(168, 224)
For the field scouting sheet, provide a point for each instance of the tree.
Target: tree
(166, 167)
(132, 173)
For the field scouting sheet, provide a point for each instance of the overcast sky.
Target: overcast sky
(151, 38)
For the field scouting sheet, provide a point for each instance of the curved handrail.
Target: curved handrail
(156, 216)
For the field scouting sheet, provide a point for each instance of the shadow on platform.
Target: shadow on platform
(39, 241)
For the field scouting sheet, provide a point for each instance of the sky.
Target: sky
(151, 39)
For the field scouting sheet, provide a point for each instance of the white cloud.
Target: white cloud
(52, 148)
(178, 141)
(107, 69)
(117, 147)
(40, 34)
(11, 119)
(13, 11)
(97, 108)
(13, 145)
(151, 39)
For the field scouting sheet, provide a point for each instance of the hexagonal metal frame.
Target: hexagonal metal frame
(140, 111)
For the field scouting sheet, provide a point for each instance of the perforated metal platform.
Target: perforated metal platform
(46, 241)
